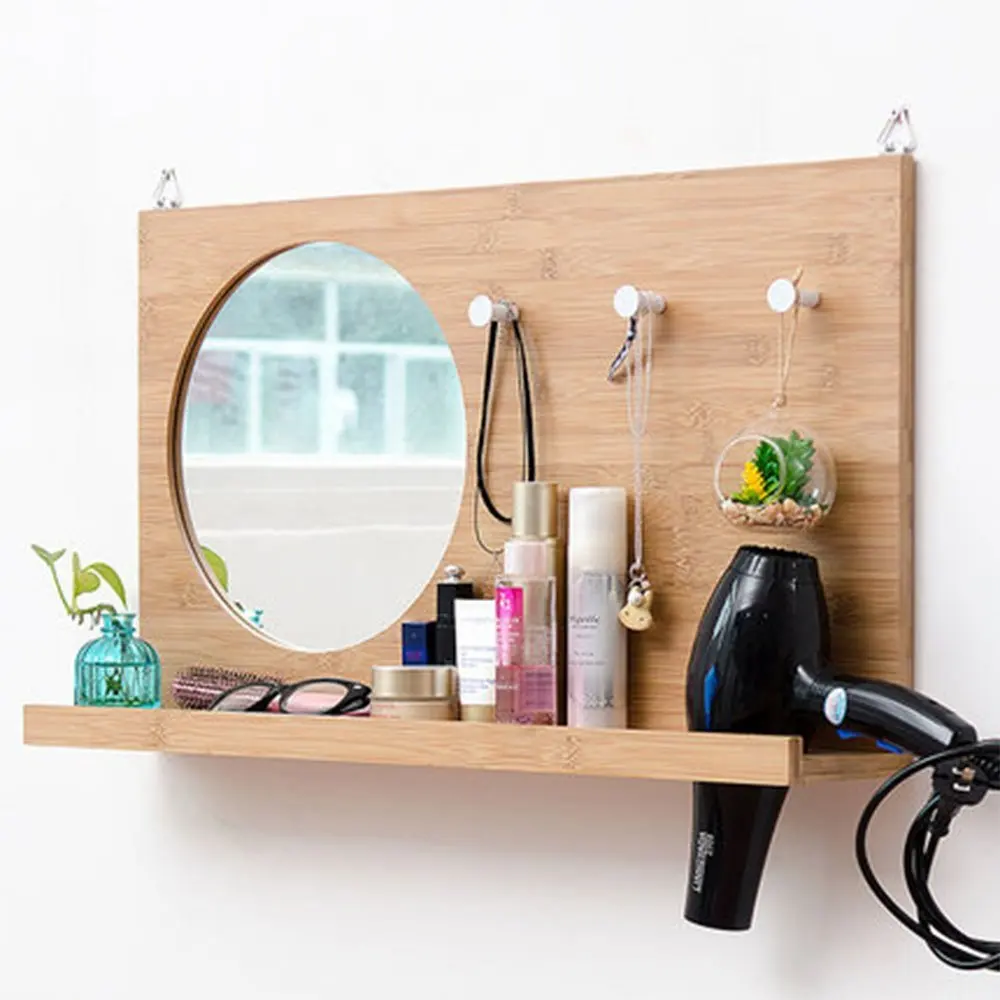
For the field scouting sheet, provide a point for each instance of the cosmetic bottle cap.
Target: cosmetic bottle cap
(536, 510)
(413, 682)
(598, 530)
(527, 558)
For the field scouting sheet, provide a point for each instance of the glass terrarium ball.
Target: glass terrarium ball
(775, 474)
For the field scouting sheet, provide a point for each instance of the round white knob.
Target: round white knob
(627, 300)
(630, 301)
(782, 295)
(481, 310)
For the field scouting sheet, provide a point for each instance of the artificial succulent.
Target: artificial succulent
(762, 474)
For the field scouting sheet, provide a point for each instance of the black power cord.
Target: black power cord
(962, 777)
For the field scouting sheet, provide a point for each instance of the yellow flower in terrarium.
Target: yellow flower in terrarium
(753, 487)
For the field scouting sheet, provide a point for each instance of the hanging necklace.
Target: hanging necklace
(638, 364)
(528, 472)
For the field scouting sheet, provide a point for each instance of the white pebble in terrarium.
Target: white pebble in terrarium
(775, 476)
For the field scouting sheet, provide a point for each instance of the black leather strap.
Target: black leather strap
(527, 415)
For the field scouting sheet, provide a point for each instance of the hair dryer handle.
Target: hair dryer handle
(884, 711)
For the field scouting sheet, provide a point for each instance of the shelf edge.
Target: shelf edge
(658, 755)
(850, 765)
(650, 754)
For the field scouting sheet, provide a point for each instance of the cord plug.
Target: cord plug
(961, 783)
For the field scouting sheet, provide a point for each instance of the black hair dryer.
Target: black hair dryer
(760, 664)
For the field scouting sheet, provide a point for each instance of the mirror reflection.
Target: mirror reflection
(323, 446)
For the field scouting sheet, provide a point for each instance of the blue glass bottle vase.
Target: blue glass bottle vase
(117, 668)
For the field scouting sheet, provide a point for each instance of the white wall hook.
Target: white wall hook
(483, 311)
(783, 294)
(631, 301)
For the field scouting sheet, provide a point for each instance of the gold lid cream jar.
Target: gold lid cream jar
(428, 693)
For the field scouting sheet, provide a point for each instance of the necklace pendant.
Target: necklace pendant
(637, 614)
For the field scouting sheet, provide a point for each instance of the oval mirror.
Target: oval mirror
(322, 447)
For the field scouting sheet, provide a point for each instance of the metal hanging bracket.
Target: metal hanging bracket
(897, 135)
(168, 194)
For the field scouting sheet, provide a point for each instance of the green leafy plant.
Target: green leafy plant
(799, 453)
(769, 465)
(220, 571)
(85, 580)
(217, 565)
(762, 474)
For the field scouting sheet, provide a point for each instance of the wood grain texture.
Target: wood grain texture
(850, 765)
(544, 750)
(711, 242)
(666, 756)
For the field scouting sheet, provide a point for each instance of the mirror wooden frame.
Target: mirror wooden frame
(711, 242)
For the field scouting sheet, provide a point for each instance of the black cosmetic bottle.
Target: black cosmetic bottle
(449, 590)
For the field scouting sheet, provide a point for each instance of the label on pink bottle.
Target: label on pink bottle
(537, 689)
(510, 602)
(510, 625)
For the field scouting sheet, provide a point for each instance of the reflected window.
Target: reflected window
(325, 351)
(218, 405)
(289, 404)
(432, 388)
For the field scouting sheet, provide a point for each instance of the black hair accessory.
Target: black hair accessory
(527, 415)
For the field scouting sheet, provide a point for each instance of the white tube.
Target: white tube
(596, 642)
(476, 658)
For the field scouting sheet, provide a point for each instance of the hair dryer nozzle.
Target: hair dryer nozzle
(730, 836)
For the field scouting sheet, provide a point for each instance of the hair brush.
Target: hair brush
(198, 686)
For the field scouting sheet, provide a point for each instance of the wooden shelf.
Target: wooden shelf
(617, 753)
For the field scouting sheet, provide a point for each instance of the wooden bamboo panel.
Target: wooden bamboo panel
(771, 760)
(711, 242)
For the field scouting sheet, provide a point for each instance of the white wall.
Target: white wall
(123, 876)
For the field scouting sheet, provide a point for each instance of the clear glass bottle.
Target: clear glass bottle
(117, 668)
(526, 638)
